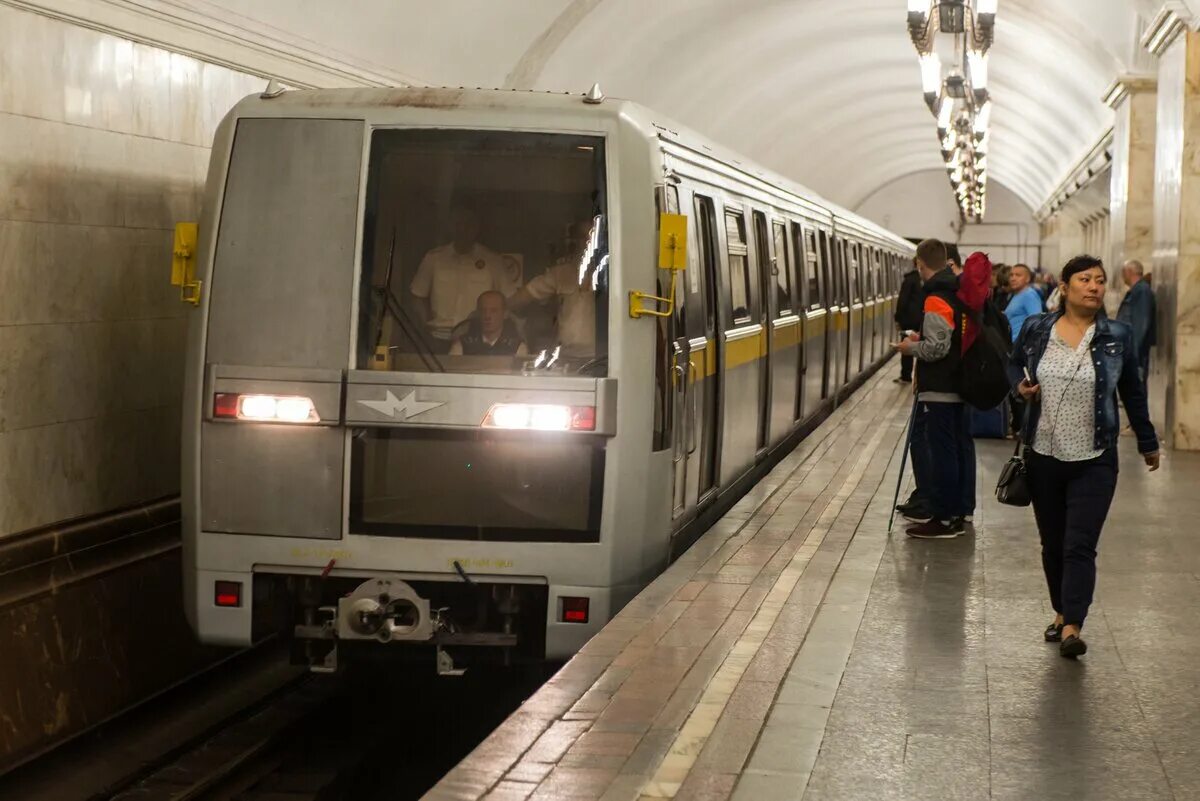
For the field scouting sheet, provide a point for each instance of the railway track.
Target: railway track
(374, 731)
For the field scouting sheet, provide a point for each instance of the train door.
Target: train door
(762, 267)
(811, 288)
(870, 304)
(854, 290)
(876, 306)
(707, 367)
(688, 299)
(741, 347)
(839, 311)
(786, 350)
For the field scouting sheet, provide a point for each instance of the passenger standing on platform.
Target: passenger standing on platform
(1079, 361)
(940, 421)
(1025, 301)
(954, 258)
(1138, 312)
(1023, 304)
(909, 311)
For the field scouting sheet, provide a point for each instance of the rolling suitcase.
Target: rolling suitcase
(990, 423)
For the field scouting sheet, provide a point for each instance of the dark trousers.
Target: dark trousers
(906, 367)
(950, 455)
(919, 453)
(1070, 502)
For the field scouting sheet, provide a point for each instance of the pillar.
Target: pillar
(1175, 375)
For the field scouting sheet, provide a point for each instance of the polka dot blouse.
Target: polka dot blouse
(1068, 397)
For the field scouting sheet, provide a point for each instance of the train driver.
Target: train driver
(571, 281)
(451, 278)
(491, 332)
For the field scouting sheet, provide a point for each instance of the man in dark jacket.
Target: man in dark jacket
(941, 416)
(908, 316)
(1137, 311)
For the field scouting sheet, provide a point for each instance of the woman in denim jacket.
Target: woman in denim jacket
(1079, 361)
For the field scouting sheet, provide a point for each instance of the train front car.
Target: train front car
(402, 423)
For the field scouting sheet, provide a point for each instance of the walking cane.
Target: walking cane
(912, 416)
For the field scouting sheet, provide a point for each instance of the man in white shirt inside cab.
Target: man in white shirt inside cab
(452, 277)
(571, 282)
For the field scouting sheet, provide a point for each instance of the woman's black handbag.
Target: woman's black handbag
(1012, 488)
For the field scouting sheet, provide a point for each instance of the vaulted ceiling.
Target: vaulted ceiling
(825, 91)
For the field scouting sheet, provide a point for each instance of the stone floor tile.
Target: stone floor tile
(702, 785)
(1025, 771)
(763, 786)
(729, 745)
(751, 700)
(510, 791)
(787, 748)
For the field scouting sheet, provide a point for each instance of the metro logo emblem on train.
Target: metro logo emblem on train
(405, 409)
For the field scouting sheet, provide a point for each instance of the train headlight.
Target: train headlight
(540, 417)
(265, 408)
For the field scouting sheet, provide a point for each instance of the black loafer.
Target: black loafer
(1072, 647)
(1054, 632)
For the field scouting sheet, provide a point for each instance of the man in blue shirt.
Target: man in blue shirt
(1137, 311)
(1026, 301)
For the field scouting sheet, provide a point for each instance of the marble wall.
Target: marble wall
(1168, 187)
(1138, 242)
(103, 147)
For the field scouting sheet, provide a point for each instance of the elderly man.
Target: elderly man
(1138, 312)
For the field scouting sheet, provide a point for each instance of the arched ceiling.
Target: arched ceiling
(825, 92)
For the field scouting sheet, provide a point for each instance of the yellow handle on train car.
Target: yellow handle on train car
(672, 255)
(183, 262)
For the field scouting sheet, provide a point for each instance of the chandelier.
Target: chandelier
(958, 95)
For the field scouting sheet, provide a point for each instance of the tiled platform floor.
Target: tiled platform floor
(799, 651)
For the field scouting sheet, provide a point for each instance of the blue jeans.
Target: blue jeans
(949, 459)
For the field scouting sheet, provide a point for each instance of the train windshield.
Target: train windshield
(485, 252)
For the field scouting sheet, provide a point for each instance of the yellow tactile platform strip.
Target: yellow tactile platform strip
(685, 676)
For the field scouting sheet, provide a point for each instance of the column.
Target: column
(1131, 193)
(1175, 374)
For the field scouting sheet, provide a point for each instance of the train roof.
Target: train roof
(366, 98)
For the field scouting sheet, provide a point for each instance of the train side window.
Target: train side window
(739, 271)
(811, 265)
(823, 262)
(781, 266)
(705, 253)
(855, 266)
(876, 292)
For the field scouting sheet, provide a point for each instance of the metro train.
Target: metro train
(377, 460)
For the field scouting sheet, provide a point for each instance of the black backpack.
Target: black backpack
(983, 371)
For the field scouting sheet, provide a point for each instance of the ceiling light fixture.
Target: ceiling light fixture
(959, 99)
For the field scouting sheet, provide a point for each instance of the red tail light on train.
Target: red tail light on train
(574, 610)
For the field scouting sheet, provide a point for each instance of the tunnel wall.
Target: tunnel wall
(103, 147)
(922, 205)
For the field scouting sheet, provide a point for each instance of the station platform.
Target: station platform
(798, 650)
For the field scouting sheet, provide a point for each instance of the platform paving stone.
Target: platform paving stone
(799, 651)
